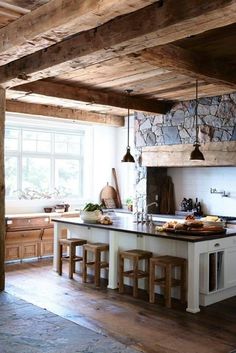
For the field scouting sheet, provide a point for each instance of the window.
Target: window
(44, 160)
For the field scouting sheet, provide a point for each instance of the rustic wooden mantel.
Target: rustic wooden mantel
(217, 154)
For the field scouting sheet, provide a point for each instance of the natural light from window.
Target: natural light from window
(44, 159)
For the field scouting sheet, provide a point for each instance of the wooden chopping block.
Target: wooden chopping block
(108, 196)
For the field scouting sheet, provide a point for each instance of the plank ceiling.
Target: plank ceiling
(83, 55)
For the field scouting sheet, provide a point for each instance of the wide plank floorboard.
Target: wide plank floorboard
(149, 328)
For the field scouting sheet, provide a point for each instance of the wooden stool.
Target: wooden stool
(167, 263)
(72, 258)
(97, 264)
(135, 256)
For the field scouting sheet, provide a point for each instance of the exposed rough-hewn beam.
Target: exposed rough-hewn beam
(53, 89)
(56, 20)
(195, 65)
(216, 154)
(2, 190)
(64, 113)
(142, 29)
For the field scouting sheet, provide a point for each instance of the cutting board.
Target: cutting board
(108, 196)
(197, 231)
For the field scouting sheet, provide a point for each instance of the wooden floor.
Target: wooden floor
(145, 327)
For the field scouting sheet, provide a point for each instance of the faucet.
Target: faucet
(147, 220)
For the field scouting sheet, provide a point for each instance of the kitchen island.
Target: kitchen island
(125, 234)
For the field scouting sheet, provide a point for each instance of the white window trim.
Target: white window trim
(55, 125)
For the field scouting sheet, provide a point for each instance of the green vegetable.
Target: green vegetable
(92, 207)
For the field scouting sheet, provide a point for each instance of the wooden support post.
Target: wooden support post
(2, 190)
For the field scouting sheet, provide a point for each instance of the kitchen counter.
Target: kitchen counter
(126, 224)
(124, 234)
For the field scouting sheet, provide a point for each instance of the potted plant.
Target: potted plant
(91, 213)
(129, 203)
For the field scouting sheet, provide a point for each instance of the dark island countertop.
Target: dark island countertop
(126, 224)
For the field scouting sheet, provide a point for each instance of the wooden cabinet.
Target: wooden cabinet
(22, 244)
(24, 238)
(30, 237)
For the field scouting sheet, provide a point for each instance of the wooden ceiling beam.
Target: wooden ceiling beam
(53, 89)
(194, 65)
(145, 28)
(64, 113)
(56, 20)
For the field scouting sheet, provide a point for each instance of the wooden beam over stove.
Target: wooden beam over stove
(64, 113)
(53, 89)
(145, 28)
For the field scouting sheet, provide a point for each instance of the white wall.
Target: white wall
(197, 182)
(125, 171)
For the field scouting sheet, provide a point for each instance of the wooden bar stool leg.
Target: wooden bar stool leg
(152, 283)
(59, 265)
(71, 261)
(183, 283)
(121, 277)
(84, 265)
(168, 286)
(148, 266)
(97, 268)
(135, 287)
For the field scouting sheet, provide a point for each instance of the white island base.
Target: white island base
(201, 289)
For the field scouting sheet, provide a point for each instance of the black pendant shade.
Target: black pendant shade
(128, 156)
(196, 154)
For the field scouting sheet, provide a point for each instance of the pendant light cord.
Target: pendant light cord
(196, 113)
(128, 129)
(128, 95)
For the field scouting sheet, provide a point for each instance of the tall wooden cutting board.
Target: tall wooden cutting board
(107, 194)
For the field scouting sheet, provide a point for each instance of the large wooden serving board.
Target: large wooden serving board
(197, 231)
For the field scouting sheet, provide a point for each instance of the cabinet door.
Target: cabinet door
(46, 248)
(13, 252)
(230, 272)
(30, 250)
(22, 244)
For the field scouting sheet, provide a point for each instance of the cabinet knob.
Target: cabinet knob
(216, 245)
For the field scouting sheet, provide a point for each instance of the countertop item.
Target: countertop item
(107, 194)
(126, 224)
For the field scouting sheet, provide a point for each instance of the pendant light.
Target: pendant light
(128, 156)
(196, 154)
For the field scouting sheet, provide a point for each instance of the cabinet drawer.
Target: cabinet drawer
(24, 235)
(27, 222)
(223, 243)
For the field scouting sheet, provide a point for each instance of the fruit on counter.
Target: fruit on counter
(105, 220)
(89, 207)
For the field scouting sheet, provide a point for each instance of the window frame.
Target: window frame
(85, 178)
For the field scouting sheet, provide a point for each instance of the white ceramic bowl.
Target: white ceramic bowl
(90, 216)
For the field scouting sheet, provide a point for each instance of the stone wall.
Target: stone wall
(216, 121)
